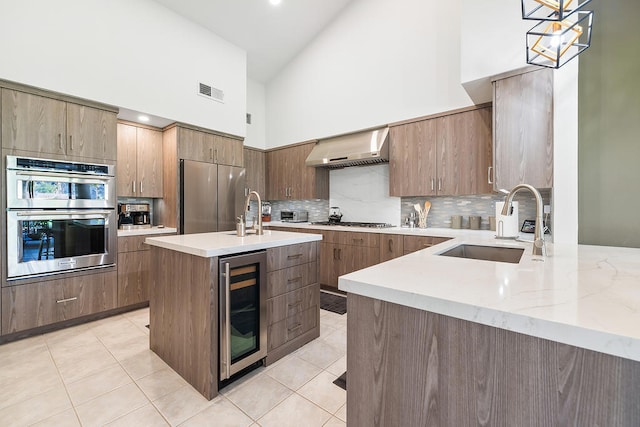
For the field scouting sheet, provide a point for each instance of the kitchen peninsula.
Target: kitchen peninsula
(437, 340)
(184, 298)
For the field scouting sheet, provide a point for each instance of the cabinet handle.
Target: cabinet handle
(339, 254)
(439, 184)
(427, 245)
(358, 240)
(71, 141)
(294, 256)
(133, 187)
(294, 279)
(433, 187)
(334, 254)
(295, 304)
(297, 326)
(215, 155)
(489, 170)
(140, 187)
(62, 301)
(210, 153)
(391, 245)
(60, 140)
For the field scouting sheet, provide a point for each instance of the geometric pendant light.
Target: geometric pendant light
(563, 32)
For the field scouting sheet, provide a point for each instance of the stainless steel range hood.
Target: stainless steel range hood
(355, 149)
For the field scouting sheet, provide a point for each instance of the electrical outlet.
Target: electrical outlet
(547, 209)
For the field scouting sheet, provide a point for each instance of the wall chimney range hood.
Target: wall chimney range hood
(355, 149)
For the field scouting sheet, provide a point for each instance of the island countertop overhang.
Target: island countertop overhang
(209, 245)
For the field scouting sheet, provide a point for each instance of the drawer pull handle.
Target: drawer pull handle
(391, 245)
(297, 326)
(295, 304)
(427, 245)
(62, 301)
(294, 256)
(294, 279)
(359, 240)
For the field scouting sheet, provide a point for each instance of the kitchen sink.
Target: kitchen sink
(486, 253)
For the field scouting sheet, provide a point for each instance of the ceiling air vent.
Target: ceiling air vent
(211, 92)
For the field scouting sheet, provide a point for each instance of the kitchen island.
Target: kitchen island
(437, 340)
(184, 298)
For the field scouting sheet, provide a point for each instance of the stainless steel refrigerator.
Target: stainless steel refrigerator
(211, 196)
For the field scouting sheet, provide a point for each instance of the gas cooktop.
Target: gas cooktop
(355, 224)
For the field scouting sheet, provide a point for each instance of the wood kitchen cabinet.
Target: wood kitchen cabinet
(343, 252)
(415, 243)
(139, 161)
(293, 298)
(445, 155)
(288, 177)
(391, 246)
(208, 147)
(255, 164)
(523, 130)
(46, 125)
(50, 301)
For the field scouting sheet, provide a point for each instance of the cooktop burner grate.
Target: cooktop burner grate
(355, 224)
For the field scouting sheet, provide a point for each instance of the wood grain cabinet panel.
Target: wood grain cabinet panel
(133, 278)
(289, 256)
(447, 155)
(254, 164)
(91, 132)
(51, 301)
(289, 279)
(343, 252)
(415, 243)
(523, 130)
(208, 147)
(227, 151)
(139, 162)
(391, 246)
(288, 177)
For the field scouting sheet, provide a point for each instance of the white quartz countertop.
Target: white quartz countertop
(227, 243)
(586, 296)
(146, 231)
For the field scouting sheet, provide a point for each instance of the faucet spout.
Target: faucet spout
(259, 230)
(538, 237)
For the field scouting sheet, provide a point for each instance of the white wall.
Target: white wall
(380, 61)
(256, 131)
(132, 54)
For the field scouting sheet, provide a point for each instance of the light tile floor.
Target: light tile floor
(103, 373)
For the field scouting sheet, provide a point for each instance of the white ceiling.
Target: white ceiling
(271, 35)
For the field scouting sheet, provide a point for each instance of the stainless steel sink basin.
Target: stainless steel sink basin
(486, 253)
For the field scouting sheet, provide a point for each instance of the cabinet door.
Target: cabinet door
(133, 277)
(277, 174)
(391, 246)
(353, 258)
(329, 264)
(126, 166)
(149, 162)
(313, 182)
(33, 123)
(254, 163)
(91, 132)
(464, 153)
(412, 159)
(523, 130)
(227, 151)
(195, 145)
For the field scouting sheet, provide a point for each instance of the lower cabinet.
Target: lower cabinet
(51, 301)
(134, 261)
(343, 252)
(391, 246)
(293, 298)
(415, 243)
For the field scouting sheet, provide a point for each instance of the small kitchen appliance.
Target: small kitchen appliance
(266, 211)
(334, 214)
(294, 216)
(507, 225)
(133, 215)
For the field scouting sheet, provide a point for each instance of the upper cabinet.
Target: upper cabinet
(139, 161)
(208, 147)
(254, 164)
(446, 155)
(288, 177)
(50, 126)
(523, 130)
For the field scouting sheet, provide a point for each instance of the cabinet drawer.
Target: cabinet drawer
(289, 279)
(38, 304)
(136, 243)
(289, 256)
(415, 243)
(287, 329)
(291, 303)
(370, 240)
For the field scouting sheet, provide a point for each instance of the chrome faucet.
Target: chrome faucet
(538, 237)
(246, 208)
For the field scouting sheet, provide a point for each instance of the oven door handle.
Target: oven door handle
(225, 324)
(64, 175)
(57, 212)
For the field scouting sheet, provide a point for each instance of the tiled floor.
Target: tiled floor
(103, 373)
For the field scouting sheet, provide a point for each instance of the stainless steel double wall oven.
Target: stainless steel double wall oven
(61, 216)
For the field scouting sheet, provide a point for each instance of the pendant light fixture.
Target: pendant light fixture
(564, 31)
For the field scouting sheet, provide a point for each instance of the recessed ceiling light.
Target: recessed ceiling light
(275, 2)
(143, 118)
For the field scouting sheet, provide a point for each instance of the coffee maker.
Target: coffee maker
(133, 215)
